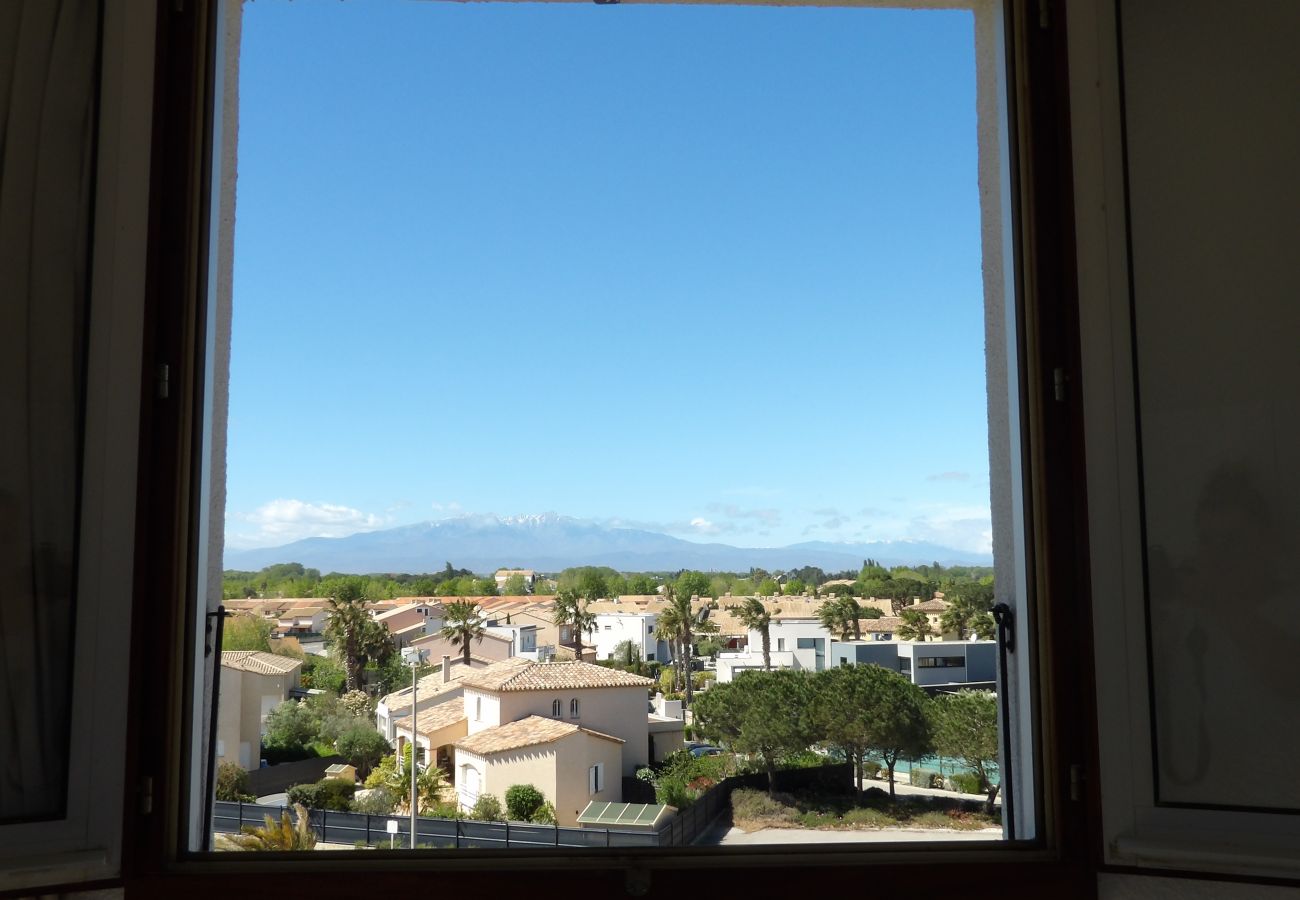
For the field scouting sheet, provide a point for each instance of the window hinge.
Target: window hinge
(1058, 384)
(162, 381)
(1077, 779)
(1044, 15)
(146, 795)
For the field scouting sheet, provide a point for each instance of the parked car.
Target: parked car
(705, 750)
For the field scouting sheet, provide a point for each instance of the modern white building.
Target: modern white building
(613, 628)
(522, 639)
(796, 643)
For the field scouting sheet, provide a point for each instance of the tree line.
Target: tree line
(857, 710)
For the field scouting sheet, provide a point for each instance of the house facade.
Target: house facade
(253, 683)
(613, 628)
(933, 665)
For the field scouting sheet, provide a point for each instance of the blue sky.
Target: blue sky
(709, 270)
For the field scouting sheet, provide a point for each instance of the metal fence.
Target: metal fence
(684, 829)
(349, 828)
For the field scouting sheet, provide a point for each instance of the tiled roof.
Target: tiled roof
(554, 676)
(391, 613)
(435, 718)
(526, 732)
(884, 624)
(259, 662)
(432, 685)
(930, 606)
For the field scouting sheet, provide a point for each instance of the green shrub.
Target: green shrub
(869, 818)
(967, 783)
(331, 793)
(487, 809)
(362, 746)
(805, 759)
(443, 811)
(871, 769)
(232, 783)
(522, 801)
(379, 801)
(923, 777)
(688, 731)
(753, 805)
(545, 815)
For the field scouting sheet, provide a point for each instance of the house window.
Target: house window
(596, 778)
(940, 662)
(555, 709)
(650, 657)
(780, 643)
(573, 708)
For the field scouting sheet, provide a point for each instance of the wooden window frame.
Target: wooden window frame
(1062, 864)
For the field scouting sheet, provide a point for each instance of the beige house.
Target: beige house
(495, 647)
(435, 730)
(434, 689)
(605, 700)
(252, 684)
(400, 619)
(934, 610)
(571, 765)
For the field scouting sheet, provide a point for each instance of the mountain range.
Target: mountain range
(549, 543)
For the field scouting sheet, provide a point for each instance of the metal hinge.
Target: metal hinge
(1058, 384)
(146, 795)
(1077, 778)
(162, 381)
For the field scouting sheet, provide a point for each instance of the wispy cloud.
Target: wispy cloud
(451, 507)
(949, 476)
(282, 521)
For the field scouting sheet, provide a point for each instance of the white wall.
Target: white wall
(613, 629)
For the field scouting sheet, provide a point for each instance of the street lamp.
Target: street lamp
(414, 657)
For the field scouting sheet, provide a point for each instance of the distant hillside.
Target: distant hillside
(550, 543)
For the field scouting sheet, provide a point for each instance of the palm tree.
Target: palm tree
(757, 617)
(461, 624)
(684, 622)
(967, 617)
(571, 609)
(428, 783)
(356, 637)
(668, 628)
(915, 626)
(278, 836)
(841, 614)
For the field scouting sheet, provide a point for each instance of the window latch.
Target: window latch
(1005, 619)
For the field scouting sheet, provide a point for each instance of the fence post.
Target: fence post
(239, 826)
(606, 837)
(556, 826)
(507, 834)
(324, 824)
(458, 834)
(367, 829)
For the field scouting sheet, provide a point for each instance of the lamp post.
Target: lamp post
(413, 657)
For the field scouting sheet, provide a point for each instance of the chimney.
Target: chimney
(446, 669)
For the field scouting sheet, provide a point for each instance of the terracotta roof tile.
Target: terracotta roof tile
(259, 662)
(435, 718)
(554, 676)
(432, 685)
(526, 732)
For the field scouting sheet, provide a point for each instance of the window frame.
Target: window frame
(169, 522)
